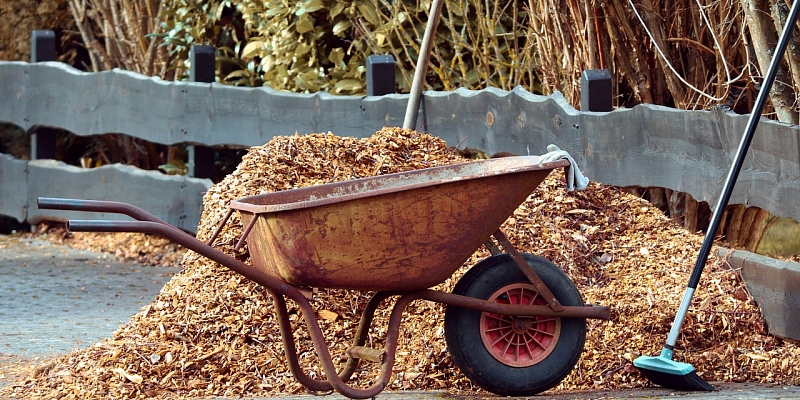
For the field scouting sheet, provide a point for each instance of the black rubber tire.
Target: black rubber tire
(462, 329)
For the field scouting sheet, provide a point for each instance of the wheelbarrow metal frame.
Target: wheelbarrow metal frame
(278, 290)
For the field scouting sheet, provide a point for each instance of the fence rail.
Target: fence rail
(686, 151)
(175, 199)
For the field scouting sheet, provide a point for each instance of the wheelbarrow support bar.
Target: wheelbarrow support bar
(188, 241)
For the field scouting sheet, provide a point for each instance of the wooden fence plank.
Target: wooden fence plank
(13, 187)
(177, 200)
(686, 151)
(774, 285)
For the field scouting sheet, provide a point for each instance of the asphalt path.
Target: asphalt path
(55, 299)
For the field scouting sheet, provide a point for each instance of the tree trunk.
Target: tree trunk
(736, 213)
(654, 25)
(793, 50)
(764, 37)
(658, 198)
(756, 219)
(690, 216)
(677, 204)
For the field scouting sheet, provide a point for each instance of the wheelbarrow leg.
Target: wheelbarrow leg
(334, 381)
(312, 384)
(361, 332)
(289, 347)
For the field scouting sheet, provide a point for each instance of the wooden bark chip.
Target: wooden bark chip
(209, 332)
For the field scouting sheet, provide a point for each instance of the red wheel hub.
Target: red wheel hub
(519, 341)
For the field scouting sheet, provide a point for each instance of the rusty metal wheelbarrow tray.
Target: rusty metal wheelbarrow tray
(402, 231)
(398, 234)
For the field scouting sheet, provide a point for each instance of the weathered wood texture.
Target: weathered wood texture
(774, 285)
(177, 200)
(13, 187)
(117, 101)
(686, 151)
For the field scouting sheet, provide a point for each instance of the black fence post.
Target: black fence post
(202, 69)
(380, 75)
(43, 46)
(202, 64)
(43, 140)
(596, 90)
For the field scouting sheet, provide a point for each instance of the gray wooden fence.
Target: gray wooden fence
(686, 151)
(648, 146)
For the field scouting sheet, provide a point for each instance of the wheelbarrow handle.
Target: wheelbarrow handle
(91, 225)
(53, 203)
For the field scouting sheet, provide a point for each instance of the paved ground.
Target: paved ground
(54, 299)
(743, 391)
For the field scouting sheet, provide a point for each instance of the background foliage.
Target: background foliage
(690, 55)
(314, 45)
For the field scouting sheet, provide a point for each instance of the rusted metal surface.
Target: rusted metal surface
(245, 234)
(588, 311)
(279, 289)
(221, 225)
(402, 231)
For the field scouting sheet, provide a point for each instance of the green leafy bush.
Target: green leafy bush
(322, 45)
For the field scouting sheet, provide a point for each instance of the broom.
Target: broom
(662, 370)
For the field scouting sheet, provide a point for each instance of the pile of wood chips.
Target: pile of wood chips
(134, 247)
(212, 333)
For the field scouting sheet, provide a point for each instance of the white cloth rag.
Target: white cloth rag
(575, 178)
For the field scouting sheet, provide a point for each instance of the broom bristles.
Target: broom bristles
(687, 382)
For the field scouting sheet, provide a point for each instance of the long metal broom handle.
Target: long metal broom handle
(412, 108)
(733, 174)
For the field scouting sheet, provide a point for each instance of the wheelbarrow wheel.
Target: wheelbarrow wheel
(514, 356)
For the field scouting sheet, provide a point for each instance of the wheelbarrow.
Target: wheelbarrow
(515, 324)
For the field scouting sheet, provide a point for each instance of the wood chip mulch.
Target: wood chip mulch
(127, 246)
(212, 333)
